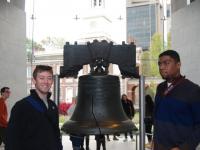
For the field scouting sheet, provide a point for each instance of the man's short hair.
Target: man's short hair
(3, 89)
(172, 53)
(123, 95)
(42, 68)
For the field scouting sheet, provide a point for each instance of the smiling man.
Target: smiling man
(33, 124)
(177, 107)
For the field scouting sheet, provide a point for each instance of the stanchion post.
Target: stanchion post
(142, 111)
(56, 89)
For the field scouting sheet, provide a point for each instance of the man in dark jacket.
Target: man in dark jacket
(100, 140)
(129, 111)
(33, 123)
(149, 106)
(177, 103)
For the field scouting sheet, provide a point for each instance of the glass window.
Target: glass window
(189, 1)
(57, 69)
(116, 70)
(168, 13)
(68, 94)
(141, 23)
(94, 3)
(29, 72)
(97, 3)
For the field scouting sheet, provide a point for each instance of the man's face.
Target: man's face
(169, 68)
(6, 93)
(124, 97)
(43, 82)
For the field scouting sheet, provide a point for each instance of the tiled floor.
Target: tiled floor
(110, 145)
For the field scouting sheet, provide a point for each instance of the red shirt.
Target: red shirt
(3, 113)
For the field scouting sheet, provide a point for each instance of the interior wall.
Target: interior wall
(186, 38)
(178, 4)
(12, 49)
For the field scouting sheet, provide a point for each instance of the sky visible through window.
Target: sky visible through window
(64, 18)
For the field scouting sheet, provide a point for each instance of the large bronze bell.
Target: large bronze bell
(99, 109)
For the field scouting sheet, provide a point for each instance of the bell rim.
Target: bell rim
(81, 127)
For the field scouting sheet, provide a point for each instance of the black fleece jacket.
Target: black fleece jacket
(33, 127)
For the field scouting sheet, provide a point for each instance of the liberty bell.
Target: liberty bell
(98, 109)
